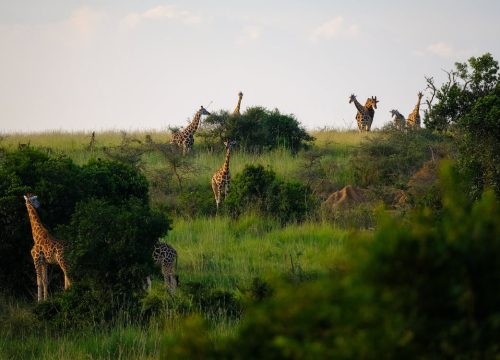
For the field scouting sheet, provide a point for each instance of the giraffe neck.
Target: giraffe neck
(225, 167)
(360, 107)
(237, 109)
(417, 107)
(36, 224)
(193, 126)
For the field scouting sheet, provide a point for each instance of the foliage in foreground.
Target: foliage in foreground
(420, 291)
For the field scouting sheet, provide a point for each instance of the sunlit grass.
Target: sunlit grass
(226, 252)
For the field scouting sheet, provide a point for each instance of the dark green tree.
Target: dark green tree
(467, 83)
(257, 129)
(479, 144)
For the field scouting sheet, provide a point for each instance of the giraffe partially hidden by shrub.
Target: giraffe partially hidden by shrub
(47, 250)
(166, 256)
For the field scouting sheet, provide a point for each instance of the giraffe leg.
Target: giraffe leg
(64, 268)
(216, 191)
(39, 272)
(45, 282)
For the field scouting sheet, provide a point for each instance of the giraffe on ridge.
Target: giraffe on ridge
(414, 118)
(185, 138)
(166, 256)
(222, 177)
(46, 250)
(399, 119)
(365, 113)
(236, 111)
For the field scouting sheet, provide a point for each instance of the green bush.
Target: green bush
(113, 181)
(110, 251)
(258, 189)
(56, 181)
(257, 129)
(196, 200)
(479, 144)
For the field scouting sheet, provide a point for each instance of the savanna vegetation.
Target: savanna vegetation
(330, 244)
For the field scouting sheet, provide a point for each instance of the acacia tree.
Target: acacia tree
(467, 83)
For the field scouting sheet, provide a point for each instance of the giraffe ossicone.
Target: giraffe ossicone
(46, 249)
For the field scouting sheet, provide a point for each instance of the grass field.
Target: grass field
(221, 253)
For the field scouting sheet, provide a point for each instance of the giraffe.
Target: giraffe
(236, 111)
(399, 119)
(414, 118)
(365, 113)
(166, 256)
(185, 138)
(46, 250)
(222, 177)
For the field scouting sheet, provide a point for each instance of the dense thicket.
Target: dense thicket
(469, 103)
(257, 129)
(258, 189)
(100, 211)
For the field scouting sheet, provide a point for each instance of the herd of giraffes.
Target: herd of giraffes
(48, 250)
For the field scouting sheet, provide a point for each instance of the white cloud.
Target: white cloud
(85, 21)
(334, 28)
(159, 13)
(440, 49)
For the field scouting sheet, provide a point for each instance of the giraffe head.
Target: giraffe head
(394, 112)
(240, 94)
(203, 111)
(372, 102)
(420, 95)
(32, 200)
(229, 143)
(352, 98)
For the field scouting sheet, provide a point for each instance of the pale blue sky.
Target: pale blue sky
(94, 65)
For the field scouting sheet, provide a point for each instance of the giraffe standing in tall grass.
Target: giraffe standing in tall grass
(222, 177)
(46, 250)
(185, 138)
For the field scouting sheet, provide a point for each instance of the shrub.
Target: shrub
(113, 181)
(196, 200)
(479, 144)
(257, 129)
(258, 189)
(111, 247)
